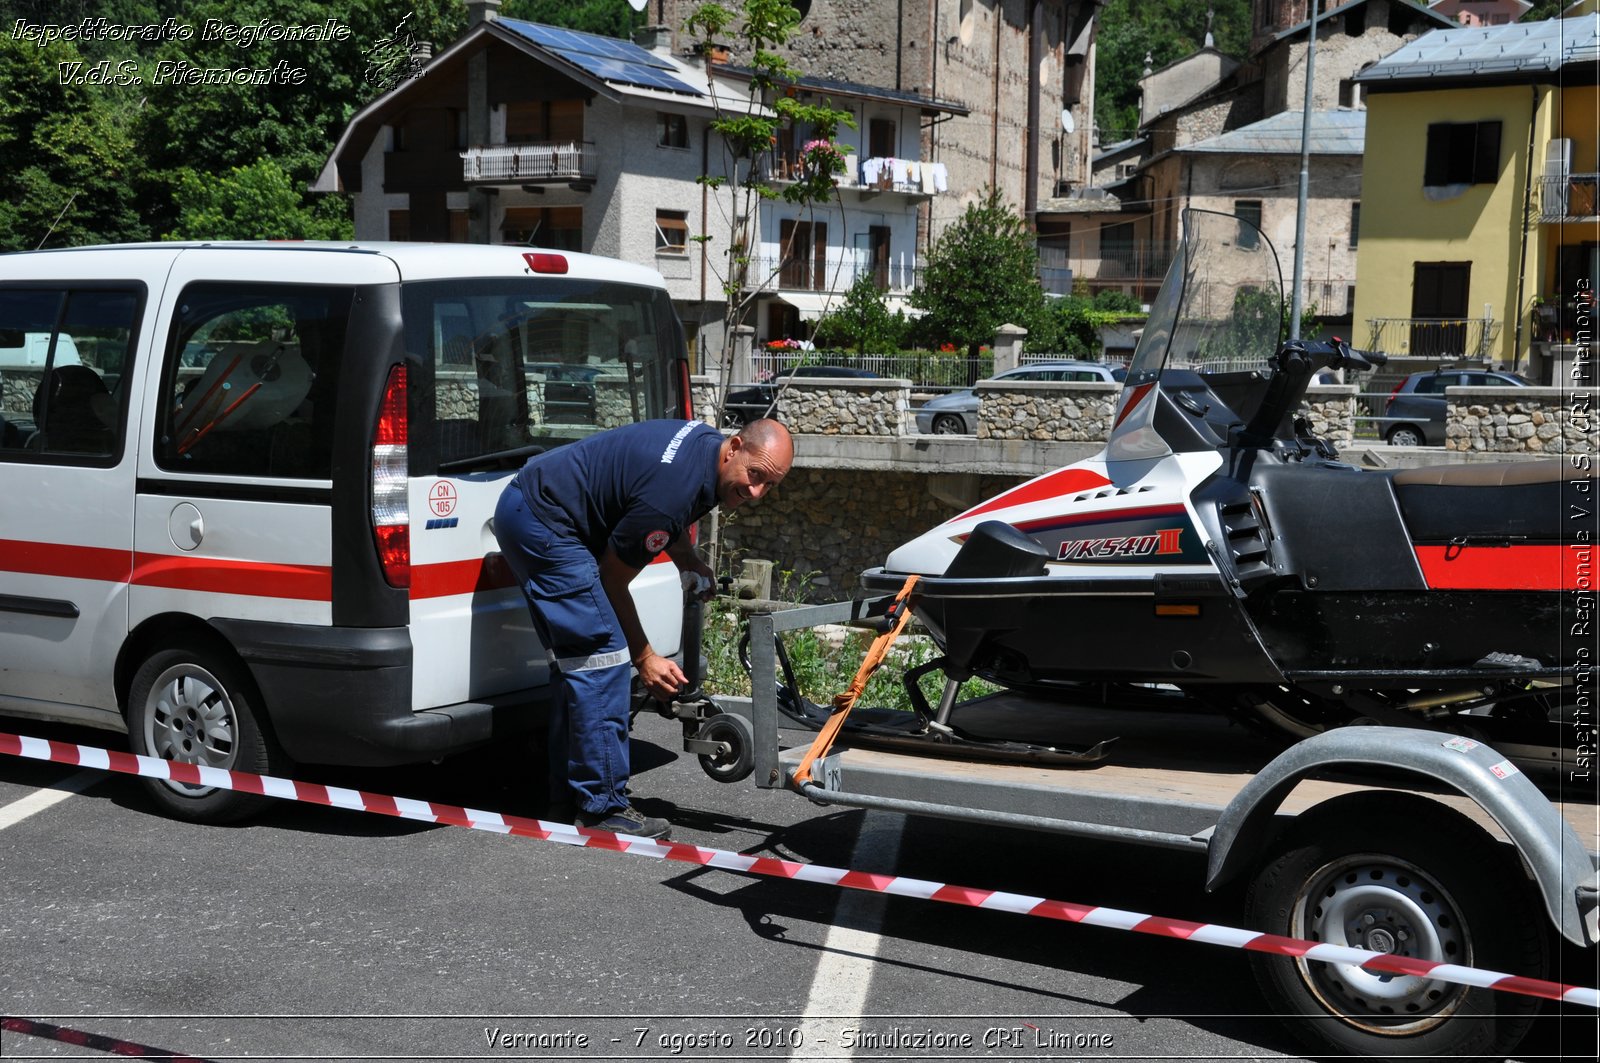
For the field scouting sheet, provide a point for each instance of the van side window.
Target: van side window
(250, 380)
(63, 356)
(507, 366)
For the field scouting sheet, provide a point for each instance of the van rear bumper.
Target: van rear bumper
(342, 695)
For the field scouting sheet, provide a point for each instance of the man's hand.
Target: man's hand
(661, 676)
(693, 570)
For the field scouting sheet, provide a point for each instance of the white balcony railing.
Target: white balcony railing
(570, 161)
(907, 176)
(840, 270)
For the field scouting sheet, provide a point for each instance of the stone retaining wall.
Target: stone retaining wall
(824, 526)
(1331, 409)
(1027, 409)
(1046, 409)
(1521, 420)
(17, 388)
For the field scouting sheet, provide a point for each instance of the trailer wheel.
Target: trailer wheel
(193, 705)
(740, 759)
(1400, 874)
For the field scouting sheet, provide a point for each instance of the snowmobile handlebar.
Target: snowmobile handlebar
(1294, 363)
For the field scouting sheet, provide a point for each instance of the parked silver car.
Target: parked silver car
(957, 412)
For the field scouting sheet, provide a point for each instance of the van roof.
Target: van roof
(415, 261)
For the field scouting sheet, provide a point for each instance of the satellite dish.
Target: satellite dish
(638, 5)
(1066, 121)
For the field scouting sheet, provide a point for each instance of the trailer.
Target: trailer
(1406, 842)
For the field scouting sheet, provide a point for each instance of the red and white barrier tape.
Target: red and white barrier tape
(99, 1042)
(567, 834)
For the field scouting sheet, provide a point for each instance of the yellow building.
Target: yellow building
(1479, 224)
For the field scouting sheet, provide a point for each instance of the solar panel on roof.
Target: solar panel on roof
(622, 62)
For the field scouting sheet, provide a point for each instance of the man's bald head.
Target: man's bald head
(753, 462)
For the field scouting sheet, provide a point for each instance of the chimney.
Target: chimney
(482, 11)
(656, 39)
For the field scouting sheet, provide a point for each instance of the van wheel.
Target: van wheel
(1399, 874)
(194, 706)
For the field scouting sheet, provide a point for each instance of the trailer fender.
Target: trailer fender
(1561, 864)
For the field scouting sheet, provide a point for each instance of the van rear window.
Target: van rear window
(251, 376)
(513, 366)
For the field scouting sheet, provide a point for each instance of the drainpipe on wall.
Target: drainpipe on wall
(1522, 255)
(1030, 177)
(479, 202)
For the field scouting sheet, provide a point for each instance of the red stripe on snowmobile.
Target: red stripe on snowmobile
(1135, 397)
(1061, 482)
(1545, 567)
(1104, 516)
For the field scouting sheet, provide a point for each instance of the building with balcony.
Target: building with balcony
(1233, 144)
(1023, 71)
(1480, 234)
(528, 134)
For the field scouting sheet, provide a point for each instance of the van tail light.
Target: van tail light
(391, 515)
(1395, 394)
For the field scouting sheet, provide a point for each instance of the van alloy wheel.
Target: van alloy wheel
(195, 706)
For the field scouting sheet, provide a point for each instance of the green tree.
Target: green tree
(68, 161)
(610, 18)
(982, 273)
(862, 322)
(255, 202)
(1166, 30)
(740, 181)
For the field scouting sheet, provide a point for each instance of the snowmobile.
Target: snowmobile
(1215, 548)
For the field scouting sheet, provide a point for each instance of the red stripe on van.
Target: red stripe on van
(1547, 567)
(444, 578)
(74, 562)
(217, 576)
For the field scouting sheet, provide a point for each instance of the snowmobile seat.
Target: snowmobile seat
(1519, 500)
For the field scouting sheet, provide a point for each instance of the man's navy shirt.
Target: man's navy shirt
(636, 487)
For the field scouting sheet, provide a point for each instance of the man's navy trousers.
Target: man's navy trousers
(573, 617)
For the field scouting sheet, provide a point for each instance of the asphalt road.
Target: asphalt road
(314, 933)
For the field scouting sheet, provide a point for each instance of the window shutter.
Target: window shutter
(1486, 160)
(1437, 165)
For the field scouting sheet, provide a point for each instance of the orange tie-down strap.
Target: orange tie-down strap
(900, 611)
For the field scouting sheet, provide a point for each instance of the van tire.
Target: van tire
(193, 704)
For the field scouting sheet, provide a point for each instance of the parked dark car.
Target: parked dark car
(749, 403)
(1419, 402)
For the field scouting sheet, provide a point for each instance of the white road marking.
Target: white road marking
(844, 973)
(54, 794)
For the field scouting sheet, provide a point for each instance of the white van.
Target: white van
(248, 521)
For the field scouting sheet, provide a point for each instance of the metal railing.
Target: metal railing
(925, 369)
(565, 161)
(1430, 337)
(1569, 198)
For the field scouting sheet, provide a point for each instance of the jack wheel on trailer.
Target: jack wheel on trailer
(739, 760)
(1399, 874)
(195, 705)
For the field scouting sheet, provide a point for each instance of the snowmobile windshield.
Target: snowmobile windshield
(1220, 308)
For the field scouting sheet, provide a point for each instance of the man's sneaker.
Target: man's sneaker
(627, 820)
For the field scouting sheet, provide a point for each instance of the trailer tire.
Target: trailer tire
(1337, 875)
(197, 705)
(740, 760)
